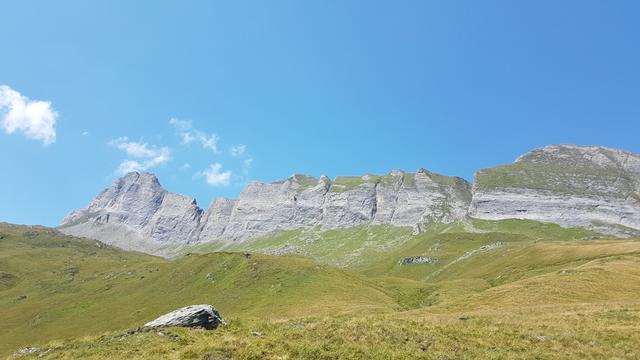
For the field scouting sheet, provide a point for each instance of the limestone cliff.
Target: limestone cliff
(585, 186)
(137, 208)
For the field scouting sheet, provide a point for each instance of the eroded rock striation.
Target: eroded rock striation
(575, 186)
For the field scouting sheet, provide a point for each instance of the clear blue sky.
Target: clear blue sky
(316, 87)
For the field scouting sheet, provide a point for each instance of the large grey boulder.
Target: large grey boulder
(585, 186)
(204, 316)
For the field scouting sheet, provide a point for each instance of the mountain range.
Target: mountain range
(575, 186)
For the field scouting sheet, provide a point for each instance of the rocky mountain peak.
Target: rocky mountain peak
(571, 185)
(136, 206)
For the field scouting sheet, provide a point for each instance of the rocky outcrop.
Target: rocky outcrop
(584, 186)
(399, 198)
(417, 260)
(204, 316)
(137, 213)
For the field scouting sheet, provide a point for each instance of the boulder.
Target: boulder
(190, 316)
(417, 260)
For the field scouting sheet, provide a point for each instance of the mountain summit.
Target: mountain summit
(137, 213)
(585, 186)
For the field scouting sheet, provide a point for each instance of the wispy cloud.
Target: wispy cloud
(35, 118)
(141, 156)
(188, 134)
(215, 176)
(241, 151)
(238, 150)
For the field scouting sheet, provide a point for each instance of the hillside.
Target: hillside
(526, 288)
(56, 286)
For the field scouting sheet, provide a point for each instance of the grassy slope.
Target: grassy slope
(75, 287)
(540, 294)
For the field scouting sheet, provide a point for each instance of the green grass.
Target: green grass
(563, 178)
(575, 332)
(346, 183)
(74, 287)
(529, 290)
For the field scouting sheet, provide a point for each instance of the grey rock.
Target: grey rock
(574, 186)
(136, 213)
(263, 209)
(417, 260)
(216, 219)
(586, 186)
(27, 351)
(190, 316)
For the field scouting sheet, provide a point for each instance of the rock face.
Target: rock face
(204, 316)
(137, 213)
(584, 186)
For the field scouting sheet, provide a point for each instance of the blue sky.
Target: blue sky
(260, 90)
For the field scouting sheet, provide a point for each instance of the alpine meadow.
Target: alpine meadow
(465, 180)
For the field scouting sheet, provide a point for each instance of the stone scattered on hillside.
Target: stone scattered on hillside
(417, 260)
(492, 246)
(204, 316)
(27, 351)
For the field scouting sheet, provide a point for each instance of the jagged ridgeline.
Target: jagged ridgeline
(586, 186)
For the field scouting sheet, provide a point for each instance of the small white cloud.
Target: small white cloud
(85, 133)
(35, 118)
(238, 150)
(215, 177)
(186, 166)
(189, 134)
(147, 156)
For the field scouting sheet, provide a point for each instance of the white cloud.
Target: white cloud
(189, 134)
(85, 133)
(216, 177)
(238, 150)
(35, 118)
(147, 156)
(186, 166)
